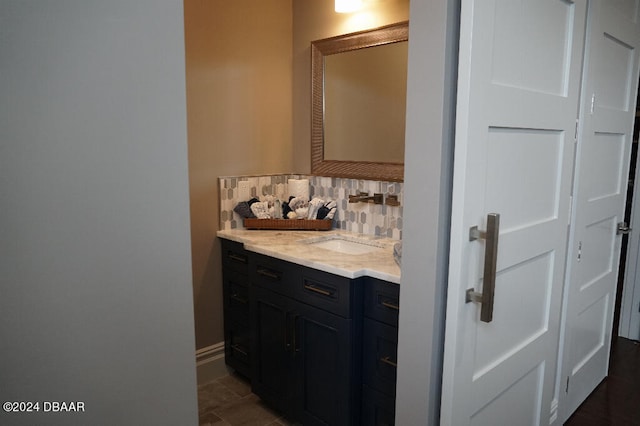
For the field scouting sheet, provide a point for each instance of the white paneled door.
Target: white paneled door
(602, 166)
(520, 69)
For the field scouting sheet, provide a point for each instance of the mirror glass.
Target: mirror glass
(365, 93)
(358, 104)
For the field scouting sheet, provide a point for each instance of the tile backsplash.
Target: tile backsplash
(365, 218)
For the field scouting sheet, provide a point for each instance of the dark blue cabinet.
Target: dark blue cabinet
(378, 409)
(272, 344)
(235, 293)
(306, 342)
(379, 353)
(318, 347)
(322, 358)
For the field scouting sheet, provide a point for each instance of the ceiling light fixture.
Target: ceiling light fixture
(347, 6)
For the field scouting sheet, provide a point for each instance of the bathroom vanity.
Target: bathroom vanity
(311, 319)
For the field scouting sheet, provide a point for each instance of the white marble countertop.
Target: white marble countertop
(293, 247)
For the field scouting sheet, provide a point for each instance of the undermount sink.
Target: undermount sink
(342, 244)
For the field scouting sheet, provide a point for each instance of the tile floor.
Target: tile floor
(228, 401)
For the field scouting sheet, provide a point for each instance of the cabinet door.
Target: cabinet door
(323, 353)
(378, 409)
(272, 346)
(379, 356)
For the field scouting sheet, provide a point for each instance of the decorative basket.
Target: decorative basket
(289, 224)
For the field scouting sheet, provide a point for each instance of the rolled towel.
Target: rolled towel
(327, 211)
(323, 212)
(397, 253)
(244, 210)
(285, 210)
(261, 210)
(314, 206)
(277, 210)
(298, 202)
(331, 213)
(302, 212)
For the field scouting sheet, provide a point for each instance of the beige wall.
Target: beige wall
(238, 65)
(248, 104)
(313, 20)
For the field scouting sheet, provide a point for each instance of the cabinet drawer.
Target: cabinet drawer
(377, 409)
(382, 301)
(234, 256)
(326, 291)
(273, 274)
(379, 356)
(236, 294)
(237, 346)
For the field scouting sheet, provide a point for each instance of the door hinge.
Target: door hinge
(566, 390)
(575, 135)
(623, 229)
(593, 102)
(638, 307)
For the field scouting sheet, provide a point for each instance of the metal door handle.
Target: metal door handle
(490, 263)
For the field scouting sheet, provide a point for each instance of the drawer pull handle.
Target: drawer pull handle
(237, 348)
(237, 257)
(295, 335)
(268, 273)
(387, 360)
(291, 333)
(239, 299)
(391, 305)
(317, 290)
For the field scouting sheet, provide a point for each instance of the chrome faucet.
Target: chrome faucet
(364, 197)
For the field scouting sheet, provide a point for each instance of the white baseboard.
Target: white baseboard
(210, 363)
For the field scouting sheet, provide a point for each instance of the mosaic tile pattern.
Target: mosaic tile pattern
(364, 218)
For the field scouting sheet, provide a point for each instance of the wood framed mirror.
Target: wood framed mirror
(358, 98)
